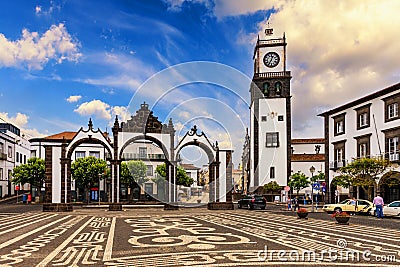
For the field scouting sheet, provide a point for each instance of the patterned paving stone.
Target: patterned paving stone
(192, 237)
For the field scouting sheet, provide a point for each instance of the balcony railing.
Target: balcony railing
(275, 74)
(279, 41)
(337, 164)
(136, 156)
(3, 156)
(394, 156)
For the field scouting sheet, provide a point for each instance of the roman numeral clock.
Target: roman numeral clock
(270, 120)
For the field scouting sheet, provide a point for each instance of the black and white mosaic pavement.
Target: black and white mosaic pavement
(192, 237)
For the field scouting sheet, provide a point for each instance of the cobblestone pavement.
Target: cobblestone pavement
(190, 237)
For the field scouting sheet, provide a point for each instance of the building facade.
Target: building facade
(270, 113)
(366, 127)
(14, 151)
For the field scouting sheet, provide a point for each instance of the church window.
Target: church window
(263, 118)
(265, 88)
(278, 88)
(272, 139)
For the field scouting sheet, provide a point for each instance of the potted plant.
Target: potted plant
(341, 217)
(302, 213)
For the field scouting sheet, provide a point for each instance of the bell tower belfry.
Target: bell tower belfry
(270, 118)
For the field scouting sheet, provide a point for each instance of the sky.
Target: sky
(63, 62)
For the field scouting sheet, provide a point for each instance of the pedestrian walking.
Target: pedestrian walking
(296, 204)
(378, 202)
(289, 204)
(353, 202)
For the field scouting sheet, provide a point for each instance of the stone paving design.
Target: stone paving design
(230, 238)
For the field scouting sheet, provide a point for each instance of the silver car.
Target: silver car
(392, 209)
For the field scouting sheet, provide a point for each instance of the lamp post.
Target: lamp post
(312, 170)
(100, 175)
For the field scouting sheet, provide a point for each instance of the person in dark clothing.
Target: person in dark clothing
(296, 204)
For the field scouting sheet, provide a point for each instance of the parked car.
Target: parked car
(363, 206)
(392, 209)
(252, 202)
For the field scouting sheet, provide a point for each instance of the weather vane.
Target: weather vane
(268, 30)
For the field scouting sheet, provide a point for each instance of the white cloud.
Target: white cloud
(128, 72)
(20, 120)
(97, 108)
(38, 9)
(225, 8)
(122, 112)
(74, 98)
(102, 110)
(34, 51)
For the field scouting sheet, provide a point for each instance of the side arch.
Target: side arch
(210, 153)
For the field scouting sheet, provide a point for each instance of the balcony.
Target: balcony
(137, 156)
(394, 157)
(275, 74)
(333, 165)
(3, 156)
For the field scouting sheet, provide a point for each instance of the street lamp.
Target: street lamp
(98, 189)
(312, 170)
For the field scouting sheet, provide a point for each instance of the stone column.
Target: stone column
(229, 168)
(48, 155)
(115, 163)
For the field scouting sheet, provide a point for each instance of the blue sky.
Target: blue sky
(62, 62)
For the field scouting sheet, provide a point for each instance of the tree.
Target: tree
(272, 187)
(298, 181)
(362, 172)
(127, 178)
(181, 177)
(88, 171)
(138, 170)
(31, 173)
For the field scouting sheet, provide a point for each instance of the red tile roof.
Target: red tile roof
(308, 157)
(308, 141)
(60, 136)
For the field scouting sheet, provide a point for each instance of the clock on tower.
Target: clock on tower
(270, 129)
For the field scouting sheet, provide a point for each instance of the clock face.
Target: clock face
(271, 59)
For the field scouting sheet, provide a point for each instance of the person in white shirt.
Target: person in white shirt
(378, 202)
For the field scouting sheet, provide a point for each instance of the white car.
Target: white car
(393, 209)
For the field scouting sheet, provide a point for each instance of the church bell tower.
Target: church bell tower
(270, 118)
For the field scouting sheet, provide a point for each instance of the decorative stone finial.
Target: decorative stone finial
(90, 124)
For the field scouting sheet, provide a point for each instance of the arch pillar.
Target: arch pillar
(65, 174)
(115, 164)
(171, 188)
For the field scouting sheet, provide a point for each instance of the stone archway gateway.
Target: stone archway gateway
(142, 127)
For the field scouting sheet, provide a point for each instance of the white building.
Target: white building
(14, 151)
(366, 127)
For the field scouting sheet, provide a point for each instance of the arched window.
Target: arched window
(265, 88)
(278, 88)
